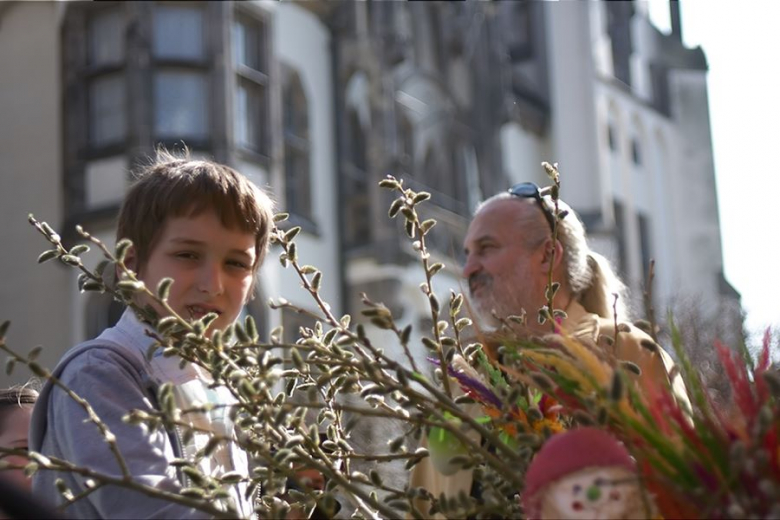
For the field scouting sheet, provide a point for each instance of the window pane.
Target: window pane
(248, 44)
(297, 183)
(106, 38)
(250, 115)
(178, 32)
(107, 122)
(294, 106)
(181, 109)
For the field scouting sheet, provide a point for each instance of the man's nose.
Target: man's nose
(471, 267)
(211, 281)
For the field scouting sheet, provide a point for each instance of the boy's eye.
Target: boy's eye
(238, 264)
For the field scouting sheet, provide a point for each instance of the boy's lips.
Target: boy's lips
(197, 311)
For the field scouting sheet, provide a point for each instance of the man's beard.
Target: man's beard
(492, 308)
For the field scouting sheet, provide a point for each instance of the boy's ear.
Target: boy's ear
(131, 260)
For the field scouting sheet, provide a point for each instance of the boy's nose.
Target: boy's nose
(210, 281)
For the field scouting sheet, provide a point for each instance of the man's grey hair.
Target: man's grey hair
(589, 275)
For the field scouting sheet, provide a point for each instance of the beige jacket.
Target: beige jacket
(654, 362)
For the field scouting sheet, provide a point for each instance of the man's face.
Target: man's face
(211, 265)
(503, 274)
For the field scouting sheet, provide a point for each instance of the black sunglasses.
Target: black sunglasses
(529, 190)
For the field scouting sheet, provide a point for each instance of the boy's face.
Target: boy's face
(211, 265)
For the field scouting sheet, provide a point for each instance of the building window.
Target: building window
(181, 105)
(178, 33)
(620, 236)
(644, 242)
(619, 16)
(357, 223)
(106, 91)
(251, 99)
(107, 117)
(135, 75)
(636, 152)
(106, 42)
(611, 138)
(297, 161)
(180, 84)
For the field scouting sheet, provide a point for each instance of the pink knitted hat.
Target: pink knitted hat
(569, 452)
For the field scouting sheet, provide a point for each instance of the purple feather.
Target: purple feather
(482, 392)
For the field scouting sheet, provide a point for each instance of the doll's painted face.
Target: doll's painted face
(594, 493)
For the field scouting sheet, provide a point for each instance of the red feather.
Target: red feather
(740, 385)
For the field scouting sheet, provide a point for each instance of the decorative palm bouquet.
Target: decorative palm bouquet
(709, 461)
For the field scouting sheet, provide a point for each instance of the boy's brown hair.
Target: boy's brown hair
(178, 186)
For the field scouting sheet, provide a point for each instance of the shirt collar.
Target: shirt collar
(130, 331)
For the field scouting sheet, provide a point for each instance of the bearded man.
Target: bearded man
(510, 251)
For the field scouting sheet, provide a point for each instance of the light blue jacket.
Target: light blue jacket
(113, 375)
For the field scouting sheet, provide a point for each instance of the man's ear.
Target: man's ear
(548, 253)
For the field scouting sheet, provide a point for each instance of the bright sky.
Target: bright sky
(741, 41)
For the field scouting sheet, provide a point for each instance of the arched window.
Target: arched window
(297, 157)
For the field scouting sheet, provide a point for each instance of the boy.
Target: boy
(207, 227)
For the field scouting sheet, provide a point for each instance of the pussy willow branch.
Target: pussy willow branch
(57, 464)
(405, 345)
(408, 198)
(83, 494)
(648, 297)
(318, 463)
(443, 400)
(553, 174)
(329, 317)
(129, 273)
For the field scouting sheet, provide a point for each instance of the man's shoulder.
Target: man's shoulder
(582, 323)
(627, 332)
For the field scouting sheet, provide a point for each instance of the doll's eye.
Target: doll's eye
(576, 488)
(599, 482)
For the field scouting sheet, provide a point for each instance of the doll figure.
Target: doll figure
(585, 473)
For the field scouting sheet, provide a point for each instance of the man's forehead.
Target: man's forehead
(496, 218)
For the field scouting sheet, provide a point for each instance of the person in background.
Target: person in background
(16, 406)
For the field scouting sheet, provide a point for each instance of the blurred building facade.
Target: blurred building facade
(318, 101)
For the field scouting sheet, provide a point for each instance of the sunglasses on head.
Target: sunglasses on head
(529, 190)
